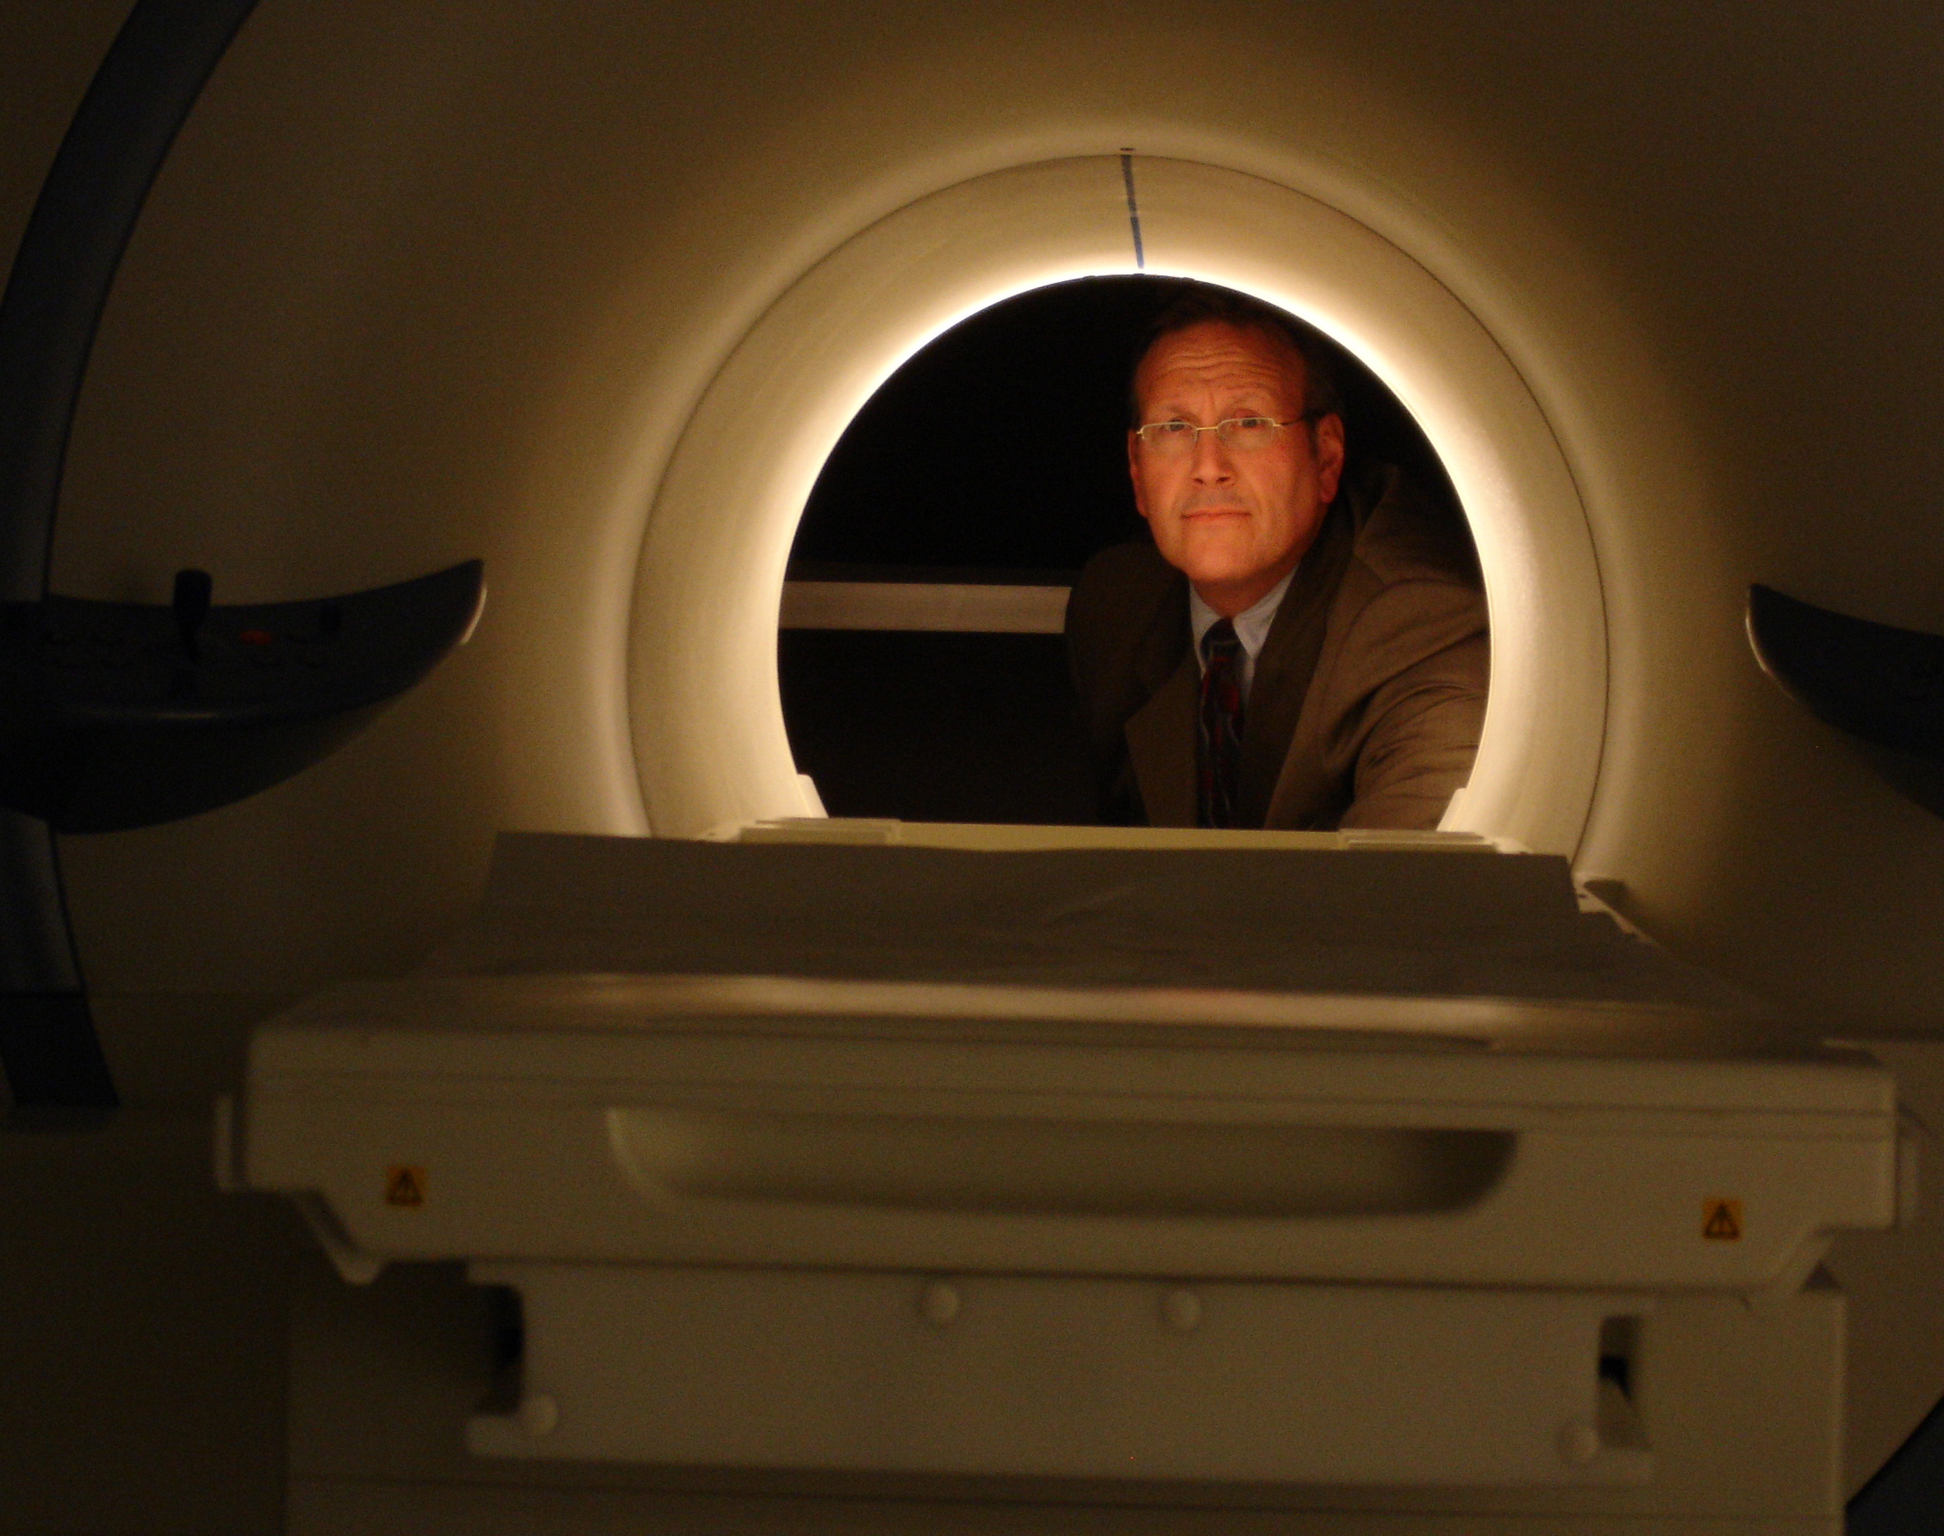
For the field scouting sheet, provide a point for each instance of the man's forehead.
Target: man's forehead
(1215, 353)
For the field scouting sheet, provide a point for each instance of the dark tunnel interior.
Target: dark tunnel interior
(995, 455)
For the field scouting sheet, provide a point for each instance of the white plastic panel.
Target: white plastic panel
(731, 1140)
(1065, 1378)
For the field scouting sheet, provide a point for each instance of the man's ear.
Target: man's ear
(1327, 435)
(1134, 473)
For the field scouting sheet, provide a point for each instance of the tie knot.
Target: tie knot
(1220, 641)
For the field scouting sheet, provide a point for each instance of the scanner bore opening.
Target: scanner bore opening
(994, 458)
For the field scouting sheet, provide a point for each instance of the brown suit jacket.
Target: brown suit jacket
(1368, 695)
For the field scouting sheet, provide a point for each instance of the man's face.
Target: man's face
(1234, 522)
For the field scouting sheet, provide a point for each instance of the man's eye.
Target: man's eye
(1252, 423)
(1171, 428)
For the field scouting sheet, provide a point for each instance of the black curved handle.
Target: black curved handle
(1881, 684)
(1884, 687)
(119, 715)
(55, 292)
(87, 208)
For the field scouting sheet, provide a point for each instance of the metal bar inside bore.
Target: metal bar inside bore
(952, 607)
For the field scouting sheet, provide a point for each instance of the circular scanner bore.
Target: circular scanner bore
(995, 456)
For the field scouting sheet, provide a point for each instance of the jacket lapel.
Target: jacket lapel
(1161, 744)
(1285, 667)
(1161, 733)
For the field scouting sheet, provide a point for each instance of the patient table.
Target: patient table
(1379, 1162)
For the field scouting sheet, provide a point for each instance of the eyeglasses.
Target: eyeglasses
(1241, 434)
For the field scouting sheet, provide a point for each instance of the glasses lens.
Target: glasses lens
(1169, 439)
(1246, 433)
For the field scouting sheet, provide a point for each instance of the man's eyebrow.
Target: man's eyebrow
(1260, 398)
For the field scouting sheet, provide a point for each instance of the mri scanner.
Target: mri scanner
(590, 296)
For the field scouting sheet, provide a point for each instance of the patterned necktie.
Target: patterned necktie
(1218, 734)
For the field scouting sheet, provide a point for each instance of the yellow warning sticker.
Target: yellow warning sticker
(405, 1186)
(1721, 1220)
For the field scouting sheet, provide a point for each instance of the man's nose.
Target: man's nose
(1212, 462)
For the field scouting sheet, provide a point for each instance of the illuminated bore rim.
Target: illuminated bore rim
(710, 745)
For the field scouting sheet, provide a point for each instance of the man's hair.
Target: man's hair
(1198, 303)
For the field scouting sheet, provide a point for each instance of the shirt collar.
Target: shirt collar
(1251, 624)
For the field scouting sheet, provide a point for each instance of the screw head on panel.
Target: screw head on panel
(1579, 1442)
(539, 1414)
(940, 1303)
(1181, 1310)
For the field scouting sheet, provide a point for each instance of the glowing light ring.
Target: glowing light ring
(707, 719)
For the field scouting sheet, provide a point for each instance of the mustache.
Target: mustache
(1211, 499)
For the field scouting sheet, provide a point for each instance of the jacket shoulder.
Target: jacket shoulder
(1403, 537)
(1126, 630)
(1125, 570)
(1117, 598)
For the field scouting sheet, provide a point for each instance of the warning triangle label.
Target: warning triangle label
(405, 1186)
(1721, 1220)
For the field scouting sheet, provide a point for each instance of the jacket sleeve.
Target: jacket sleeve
(1423, 644)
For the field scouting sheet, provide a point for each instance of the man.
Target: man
(1291, 650)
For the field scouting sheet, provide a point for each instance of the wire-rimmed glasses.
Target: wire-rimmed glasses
(1240, 434)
